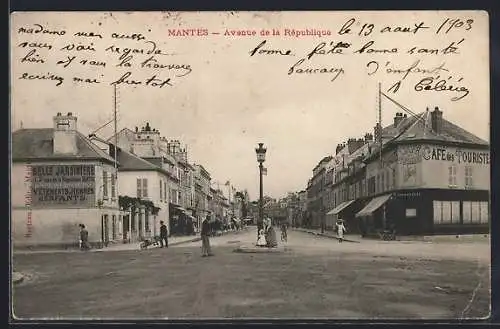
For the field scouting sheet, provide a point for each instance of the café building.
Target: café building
(60, 179)
(431, 177)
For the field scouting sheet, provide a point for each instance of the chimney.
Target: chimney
(339, 148)
(136, 129)
(397, 119)
(437, 120)
(65, 134)
(353, 144)
(377, 132)
(368, 137)
(112, 150)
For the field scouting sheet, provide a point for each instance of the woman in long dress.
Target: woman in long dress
(261, 241)
(273, 241)
(340, 230)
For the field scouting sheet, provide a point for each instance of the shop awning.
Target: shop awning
(373, 205)
(340, 207)
(178, 207)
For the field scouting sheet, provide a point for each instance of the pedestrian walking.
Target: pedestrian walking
(205, 240)
(84, 237)
(284, 235)
(341, 229)
(163, 234)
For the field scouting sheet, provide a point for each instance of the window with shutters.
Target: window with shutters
(105, 184)
(113, 185)
(468, 177)
(371, 185)
(144, 187)
(452, 175)
(139, 187)
(161, 190)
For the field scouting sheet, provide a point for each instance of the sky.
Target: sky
(231, 101)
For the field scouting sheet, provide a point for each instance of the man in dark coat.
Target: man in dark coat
(84, 238)
(163, 234)
(205, 242)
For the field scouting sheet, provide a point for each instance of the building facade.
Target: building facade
(143, 180)
(59, 180)
(316, 195)
(432, 177)
(202, 193)
(148, 144)
(420, 175)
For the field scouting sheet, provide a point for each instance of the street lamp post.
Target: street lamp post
(261, 157)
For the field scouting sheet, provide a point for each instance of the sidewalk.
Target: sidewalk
(470, 238)
(172, 241)
(327, 234)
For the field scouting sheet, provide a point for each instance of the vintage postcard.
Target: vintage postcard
(250, 165)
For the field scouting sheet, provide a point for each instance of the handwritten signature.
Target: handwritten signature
(442, 84)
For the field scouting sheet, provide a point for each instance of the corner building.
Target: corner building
(60, 179)
(430, 177)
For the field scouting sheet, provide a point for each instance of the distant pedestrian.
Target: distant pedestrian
(84, 238)
(205, 239)
(284, 235)
(163, 234)
(261, 241)
(340, 230)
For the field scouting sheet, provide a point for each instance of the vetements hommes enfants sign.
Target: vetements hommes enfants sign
(63, 185)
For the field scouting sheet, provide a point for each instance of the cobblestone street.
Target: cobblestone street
(316, 278)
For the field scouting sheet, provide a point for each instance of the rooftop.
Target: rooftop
(37, 144)
(418, 128)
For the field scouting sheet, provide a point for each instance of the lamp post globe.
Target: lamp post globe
(261, 157)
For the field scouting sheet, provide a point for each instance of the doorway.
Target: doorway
(126, 219)
(113, 227)
(105, 230)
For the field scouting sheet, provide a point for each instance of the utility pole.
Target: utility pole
(116, 131)
(384, 218)
(116, 156)
(380, 121)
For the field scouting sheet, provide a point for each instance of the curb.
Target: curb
(17, 277)
(184, 241)
(327, 236)
(259, 250)
(29, 252)
(199, 238)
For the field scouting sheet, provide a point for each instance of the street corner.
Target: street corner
(253, 249)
